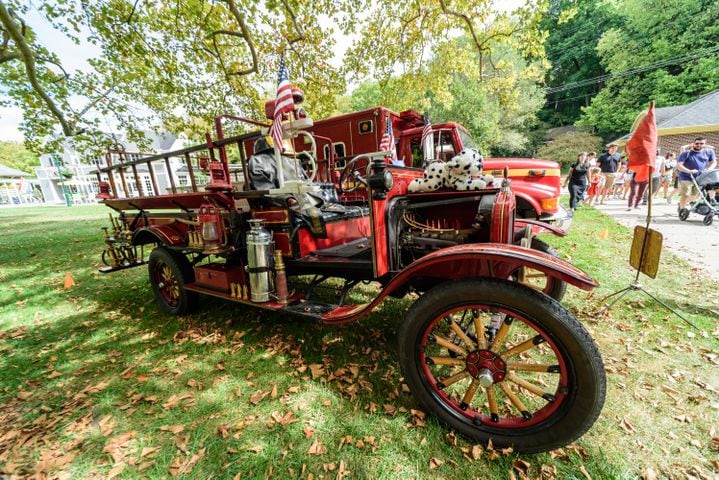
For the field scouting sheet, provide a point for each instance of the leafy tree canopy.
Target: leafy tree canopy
(565, 148)
(574, 28)
(664, 51)
(15, 155)
(496, 107)
(189, 61)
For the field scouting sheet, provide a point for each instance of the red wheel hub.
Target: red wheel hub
(486, 362)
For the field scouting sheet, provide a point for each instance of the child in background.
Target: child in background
(628, 177)
(595, 181)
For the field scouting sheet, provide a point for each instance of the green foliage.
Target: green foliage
(574, 29)
(366, 95)
(176, 65)
(565, 148)
(497, 108)
(15, 155)
(166, 65)
(652, 32)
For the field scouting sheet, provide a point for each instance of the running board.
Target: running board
(296, 304)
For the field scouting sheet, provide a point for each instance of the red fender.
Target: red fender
(163, 234)
(539, 227)
(488, 260)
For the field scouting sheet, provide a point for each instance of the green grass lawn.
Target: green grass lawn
(97, 382)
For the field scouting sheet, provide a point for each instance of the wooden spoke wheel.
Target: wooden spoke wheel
(498, 361)
(169, 272)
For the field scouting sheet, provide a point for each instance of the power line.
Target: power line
(632, 71)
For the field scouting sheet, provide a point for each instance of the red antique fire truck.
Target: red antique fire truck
(485, 347)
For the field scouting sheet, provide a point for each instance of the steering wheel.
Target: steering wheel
(350, 170)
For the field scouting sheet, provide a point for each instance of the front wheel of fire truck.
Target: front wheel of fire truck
(553, 287)
(498, 361)
(169, 273)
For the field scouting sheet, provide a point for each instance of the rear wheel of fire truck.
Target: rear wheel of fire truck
(683, 214)
(537, 280)
(708, 219)
(169, 272)
(534, 384)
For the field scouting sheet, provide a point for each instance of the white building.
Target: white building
(79, 180)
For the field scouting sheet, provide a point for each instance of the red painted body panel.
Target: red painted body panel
(164, 232)
(218, 276)
(502, 228)
(470, 261)
(338, 233)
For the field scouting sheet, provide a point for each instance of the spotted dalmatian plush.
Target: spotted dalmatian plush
(436, 176)
(465, 171)
(462, 172)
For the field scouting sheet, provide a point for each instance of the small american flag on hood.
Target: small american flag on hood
(284, 103)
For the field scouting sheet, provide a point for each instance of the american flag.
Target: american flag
(427, 128)
(387, 142)
(283, 103)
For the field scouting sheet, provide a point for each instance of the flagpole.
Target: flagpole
(635, 285)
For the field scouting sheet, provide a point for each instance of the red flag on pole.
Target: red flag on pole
(642, 147)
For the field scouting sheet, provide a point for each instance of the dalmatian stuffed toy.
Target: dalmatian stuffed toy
(436, 176)
(462, 172)
(465, 171)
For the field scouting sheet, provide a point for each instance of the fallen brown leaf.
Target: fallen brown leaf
(585, 472)
(317, 448)
(627, 426)
(522, 467)
(649, 474)
(172, 428)
(285, 419)
(24, 395)
(548, 472)
(435, 463)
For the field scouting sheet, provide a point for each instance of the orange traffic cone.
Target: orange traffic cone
(69, 281)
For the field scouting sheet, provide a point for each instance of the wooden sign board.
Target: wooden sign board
(646, 251)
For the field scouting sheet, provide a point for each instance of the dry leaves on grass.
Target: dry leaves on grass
(173, 428)
(317, 448)
(285, 419)
(184, 464)
(186, 399)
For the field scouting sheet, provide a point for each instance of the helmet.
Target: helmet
(298, 95)
(261, 145)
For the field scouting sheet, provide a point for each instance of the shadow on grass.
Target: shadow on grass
(103, 349)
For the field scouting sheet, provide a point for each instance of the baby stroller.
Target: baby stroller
(707, 180)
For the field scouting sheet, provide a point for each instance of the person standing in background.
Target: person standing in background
(608, 162)
(656, 177)
(690, 164)
(577, 180)
(592, 159)
(666, 176)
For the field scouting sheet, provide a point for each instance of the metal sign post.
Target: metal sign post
(644, 257)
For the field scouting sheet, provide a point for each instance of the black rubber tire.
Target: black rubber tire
(579, 365)
(708, 219)
(173, 300)
(555, 288)
(683, 214)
